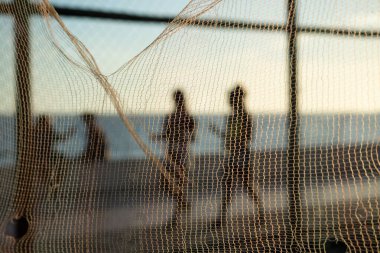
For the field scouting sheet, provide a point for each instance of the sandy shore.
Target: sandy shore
(122, 204)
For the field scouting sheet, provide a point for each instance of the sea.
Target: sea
(270, 133)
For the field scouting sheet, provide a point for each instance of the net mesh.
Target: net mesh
(239, 126)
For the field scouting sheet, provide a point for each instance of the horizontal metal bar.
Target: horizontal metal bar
(164, 19)
(223, 24)
(226, 24)
(338, 31)
(111, 15)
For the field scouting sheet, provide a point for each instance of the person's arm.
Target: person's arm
(65, 135)
(248, 127)
(252, 128)
(161, 136)
(103, 149)
(96, 144)
(192, 125)
(216, 130)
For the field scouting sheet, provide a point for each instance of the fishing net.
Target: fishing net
(242, 126)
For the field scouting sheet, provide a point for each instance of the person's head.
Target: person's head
(88, 118)
(179, 98)
(237, 96)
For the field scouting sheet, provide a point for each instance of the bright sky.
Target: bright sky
(336, 74)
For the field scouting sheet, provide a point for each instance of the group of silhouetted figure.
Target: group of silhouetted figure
(45, 137)
(178, 131)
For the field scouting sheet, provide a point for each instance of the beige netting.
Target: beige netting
(240, 126)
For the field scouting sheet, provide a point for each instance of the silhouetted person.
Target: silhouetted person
(45, 138)
(237, 139)
(43, 166)
(178, 132)
(40, 169)
(96, 148)
(44, 155)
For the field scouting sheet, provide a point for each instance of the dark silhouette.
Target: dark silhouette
(96, 148)
(42, 168)
(45, 158)
(178, 132)
(45, 138)
(237, 138)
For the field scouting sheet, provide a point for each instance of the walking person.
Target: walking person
(237, 138)
(177, 132)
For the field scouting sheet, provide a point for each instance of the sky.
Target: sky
(335, 74)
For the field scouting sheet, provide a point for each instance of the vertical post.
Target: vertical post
(23, 103)
(293, 178)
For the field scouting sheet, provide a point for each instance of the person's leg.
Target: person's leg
(227, 190)
(181, 170)
(253, 193)
(182, 183)
(250, 185)
(179, 166)
(227, 186)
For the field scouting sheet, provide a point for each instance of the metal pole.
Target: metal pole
(23, 103)
(293, 165)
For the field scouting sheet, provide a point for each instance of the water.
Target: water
(270, 133)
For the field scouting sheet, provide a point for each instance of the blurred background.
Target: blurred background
(336, 123)
(336, 75)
